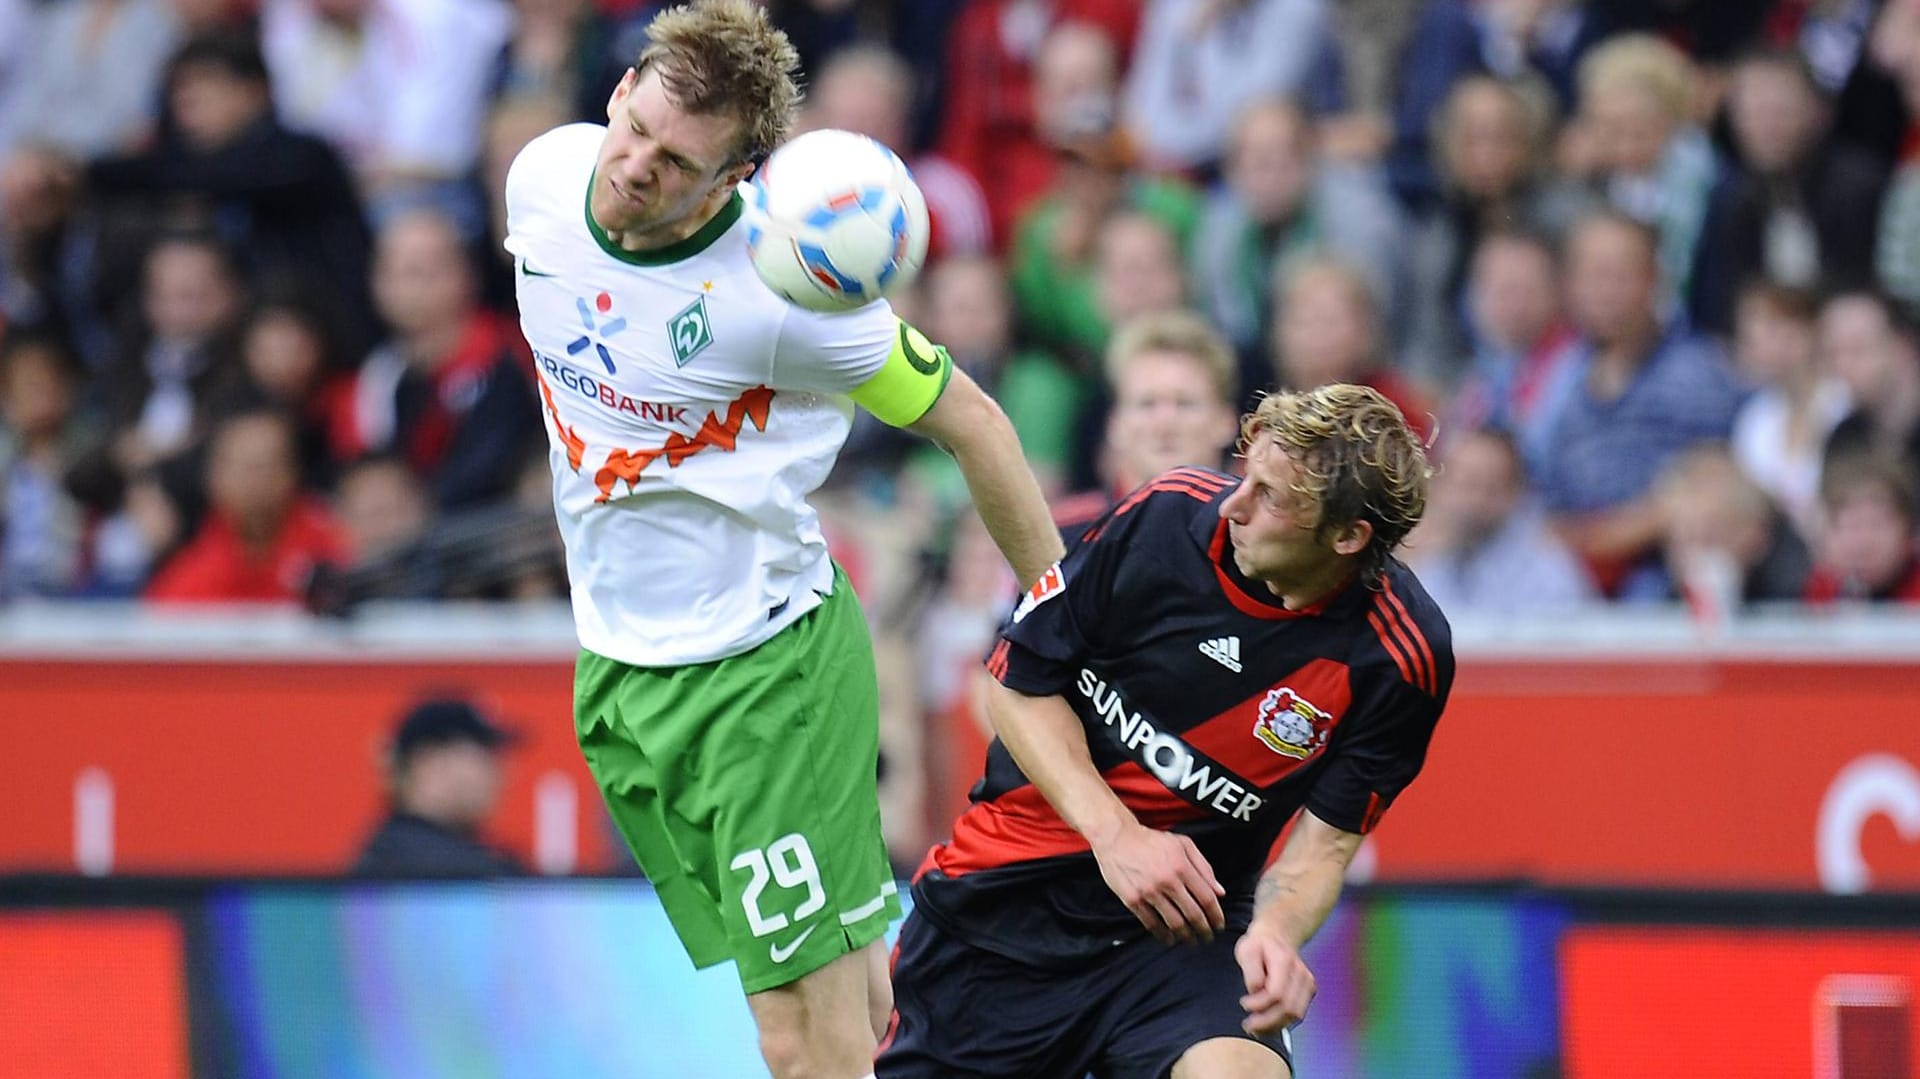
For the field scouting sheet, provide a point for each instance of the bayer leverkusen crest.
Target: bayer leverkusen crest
(1290, 725)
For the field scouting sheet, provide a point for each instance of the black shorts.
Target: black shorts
(963, 1013)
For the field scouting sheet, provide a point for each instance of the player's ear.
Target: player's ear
(1354, 538)
(620, 92)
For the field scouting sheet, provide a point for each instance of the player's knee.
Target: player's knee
(1231, 1058)
(785, 1050)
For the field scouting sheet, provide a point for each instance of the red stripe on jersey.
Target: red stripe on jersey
(1018, 826)
(1172, 481)
(1229, 737)
(1216, 553)
(1419, 639)
(997, 662)
(1201, 476)
(1376, 808)
(1400, 623)
(1391, 644)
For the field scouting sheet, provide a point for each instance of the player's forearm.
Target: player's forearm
(1048, 743)
(1295, 901)
(1007, 497)
(1298, 891)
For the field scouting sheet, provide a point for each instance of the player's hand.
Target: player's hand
(1165, 881)
(1279, 985)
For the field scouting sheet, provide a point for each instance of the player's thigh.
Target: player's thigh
(1231, 1058)
(785, 783)
(674, 857)
(1171, 1000)
(963, 1013)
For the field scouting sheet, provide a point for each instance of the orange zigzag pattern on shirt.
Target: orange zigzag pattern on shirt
(576, 446)
(627, 465)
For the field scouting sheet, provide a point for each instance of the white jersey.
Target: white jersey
(690, 412)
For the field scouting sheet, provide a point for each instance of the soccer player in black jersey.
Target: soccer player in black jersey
(1214, 658)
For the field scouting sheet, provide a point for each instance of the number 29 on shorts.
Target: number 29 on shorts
(786, 863)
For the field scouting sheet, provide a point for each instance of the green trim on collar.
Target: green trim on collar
(673, 252)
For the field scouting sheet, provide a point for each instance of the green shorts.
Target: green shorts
(746, 788)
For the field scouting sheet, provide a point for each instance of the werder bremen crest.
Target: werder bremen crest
(690, 332)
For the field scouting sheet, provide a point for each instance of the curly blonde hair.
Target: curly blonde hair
(1358, 458)
(723, 57)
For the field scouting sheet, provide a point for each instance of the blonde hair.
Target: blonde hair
(1359, 461)
(1642, 64)
(725, 57)
(1175, 331)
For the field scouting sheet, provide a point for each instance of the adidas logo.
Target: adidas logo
(1223, 650)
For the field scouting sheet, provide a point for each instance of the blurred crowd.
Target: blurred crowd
(1646, 272)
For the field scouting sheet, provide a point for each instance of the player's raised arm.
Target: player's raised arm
(1160, 876)
(970, 425)
(1294, 898)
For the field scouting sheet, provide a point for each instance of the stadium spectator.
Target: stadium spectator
(1794, 206)
(514, 122)
(44, 273)
(381, 507)
(991, 122)
(969, 312)
(1171, 388)
(449, 391)
(1895, 48)
(1724, 544)
(399, 86)
(107, 54)
(1640, 392)
(1327, 331)
(162, 380)
(1869, 346)
(1508, 40)
(43, 527)
(1056, 244)
(569, 50)
(868, 89)
(1780, 434)
(444, 776)
(1484, 546)
(1490, 146)
(284, 202)
(1278, 203)
(1636, 146)
(1200, 62)
(262, 537)
(1523, 343)
(1867, 551)
(291, 360)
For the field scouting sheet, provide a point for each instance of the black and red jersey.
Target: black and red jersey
(1211, 710)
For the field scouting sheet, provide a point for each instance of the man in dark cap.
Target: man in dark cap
(445, 778)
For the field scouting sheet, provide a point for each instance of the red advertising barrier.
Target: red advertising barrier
(244, 767)
(1698, 772)
(1666, 1003)
(93, 994)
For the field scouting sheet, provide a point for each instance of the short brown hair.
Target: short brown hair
(1360, 461)
(1176, 331)
(725, 57)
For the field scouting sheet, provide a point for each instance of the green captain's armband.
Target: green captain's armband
(907, 385)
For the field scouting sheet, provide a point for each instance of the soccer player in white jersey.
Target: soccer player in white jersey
(725, 694)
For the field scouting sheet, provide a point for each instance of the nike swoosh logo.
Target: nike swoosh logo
(527, 270)
(781, 955)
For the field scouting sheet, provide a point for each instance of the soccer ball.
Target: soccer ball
(835, 221)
